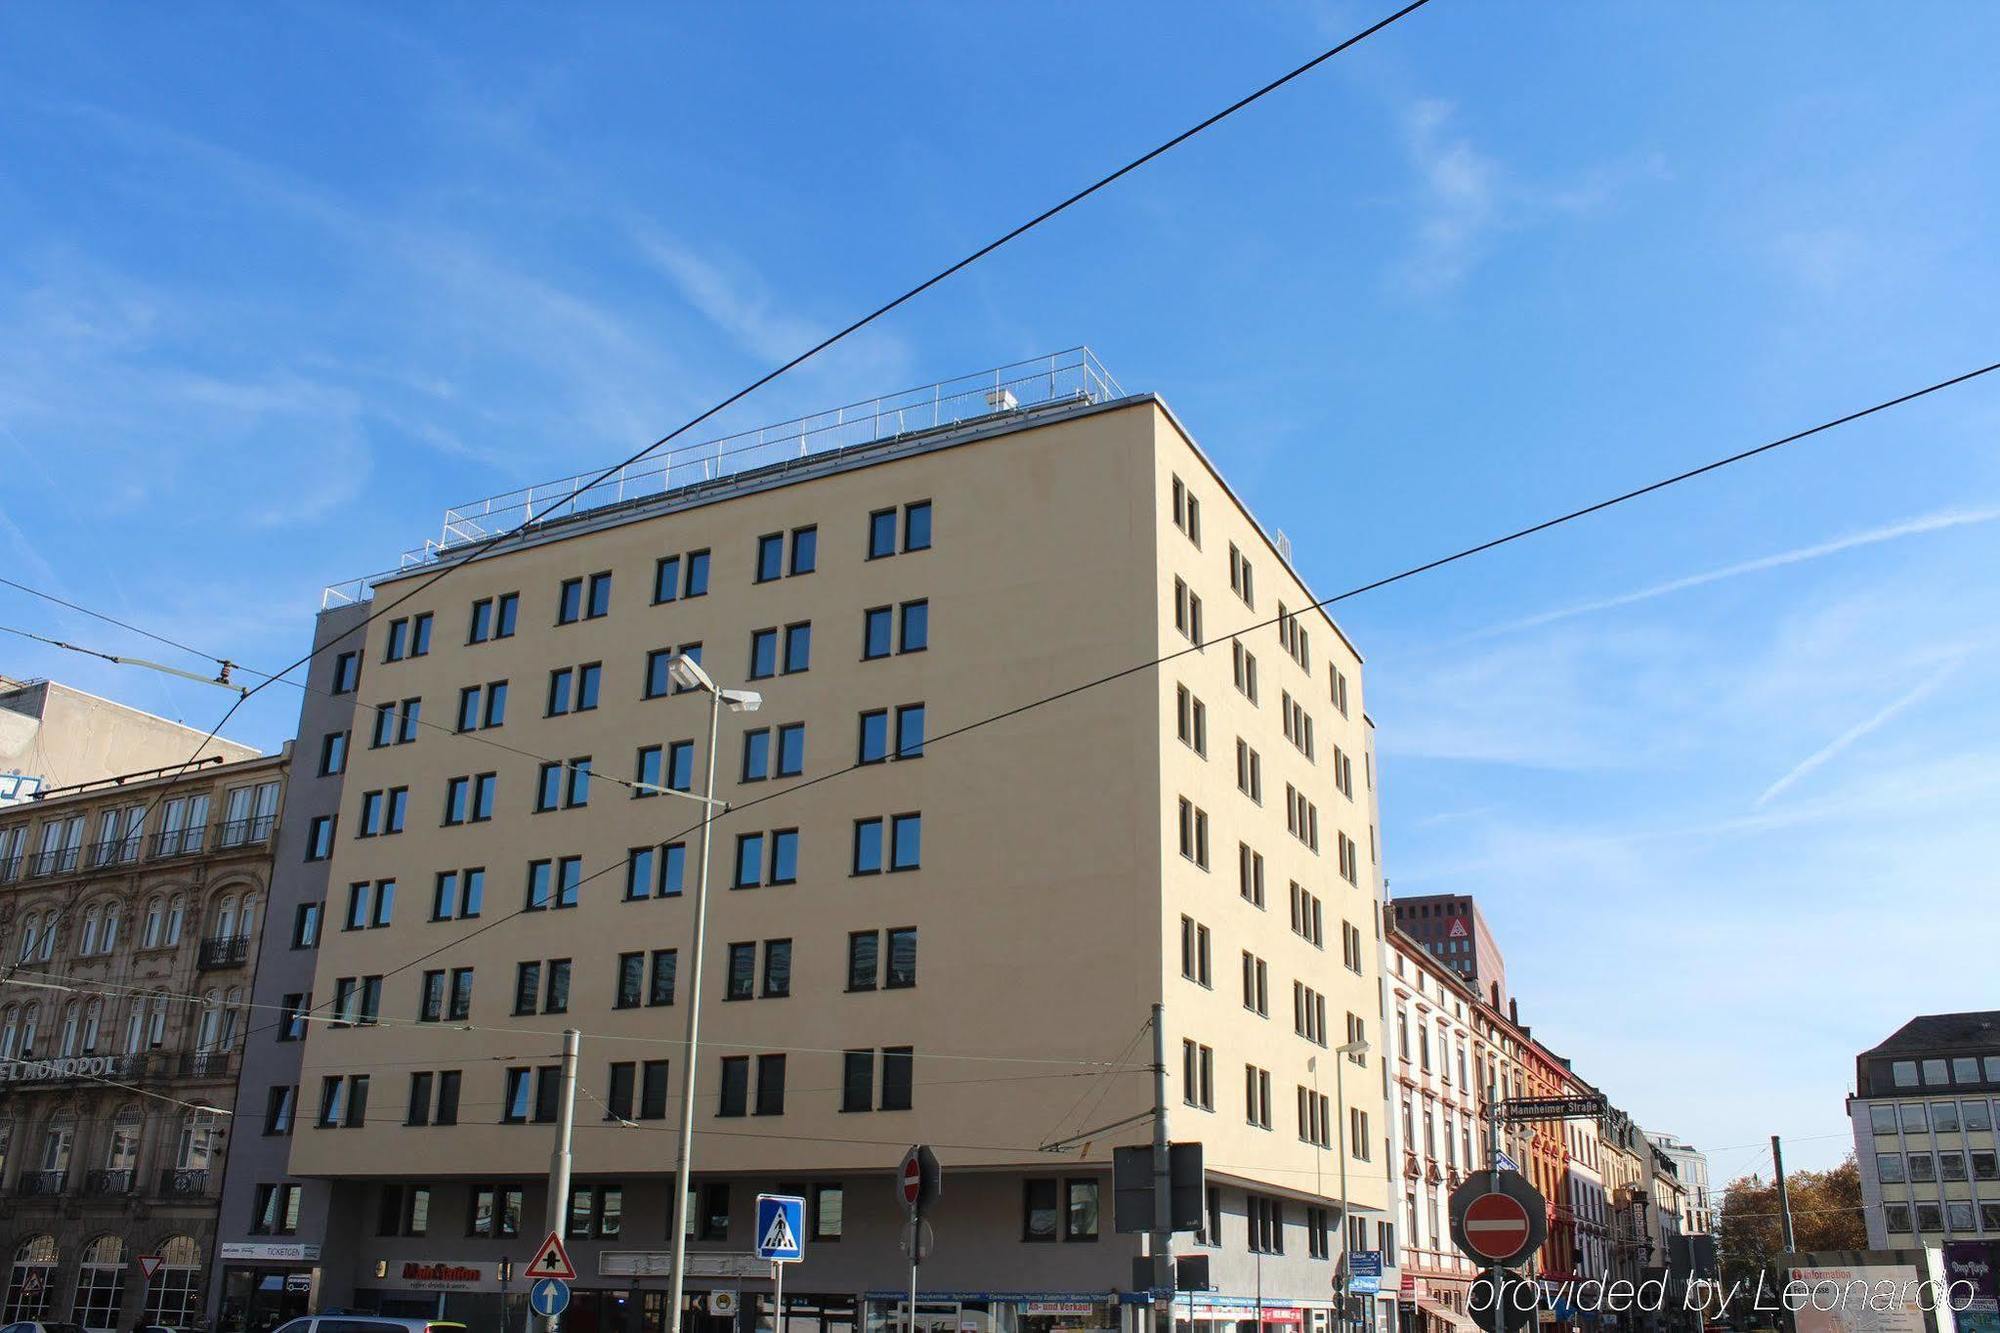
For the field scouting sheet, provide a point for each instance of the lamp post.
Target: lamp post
(1352, 1048)
(688, 675)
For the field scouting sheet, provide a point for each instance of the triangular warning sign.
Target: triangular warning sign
(1458, 931)
(150, 1265)
(551, 1260)
(779, 1239)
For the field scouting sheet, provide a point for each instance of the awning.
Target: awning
(1452, 1318)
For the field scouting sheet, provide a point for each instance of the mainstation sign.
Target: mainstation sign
(439, 1276)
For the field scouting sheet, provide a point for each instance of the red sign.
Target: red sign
(1457, 930)
(912, 1178)
(1496, 1226)
(150, 1265)
(551, 1260)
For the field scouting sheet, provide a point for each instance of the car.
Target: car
(346, 1322)
(30, 1326)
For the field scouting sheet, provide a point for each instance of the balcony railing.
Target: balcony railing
(111, 1181)
(54, 861)
(10, 868)
(224, 951)
(244, 832)
(207, 1064)
(180, 841)
(38, 1183)
(180, 1182)
(115, 851)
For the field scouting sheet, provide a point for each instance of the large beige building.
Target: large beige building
(915, 935)
(55, 735)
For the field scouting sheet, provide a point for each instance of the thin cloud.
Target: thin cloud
(1858, 731)
(1935, 522)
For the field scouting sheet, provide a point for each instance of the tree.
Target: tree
(1826, 1215)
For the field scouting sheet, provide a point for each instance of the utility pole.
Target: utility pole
(1493, 1170)
(1784, 1195)
(558, 1203)
(1163, 1204)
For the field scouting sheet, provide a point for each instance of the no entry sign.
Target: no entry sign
(1497, 1217)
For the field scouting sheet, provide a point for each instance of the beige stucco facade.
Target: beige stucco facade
(54, 735)
(1052, 888)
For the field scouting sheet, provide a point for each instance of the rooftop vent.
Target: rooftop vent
(1002, 400)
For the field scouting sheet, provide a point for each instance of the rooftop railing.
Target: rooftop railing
(1072, 376)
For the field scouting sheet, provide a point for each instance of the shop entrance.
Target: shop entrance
(257, 1299)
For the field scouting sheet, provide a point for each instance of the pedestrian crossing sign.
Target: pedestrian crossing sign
(781, 1222)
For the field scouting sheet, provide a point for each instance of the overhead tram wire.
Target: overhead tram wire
(480, 549)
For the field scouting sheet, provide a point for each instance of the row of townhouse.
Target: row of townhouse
(1615, 1202)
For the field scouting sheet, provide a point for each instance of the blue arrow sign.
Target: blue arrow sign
(549, 1297)
(781, 1221)
(1505, 1162)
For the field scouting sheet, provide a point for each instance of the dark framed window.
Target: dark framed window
(734, 1095)
(857, 1081)
(770, 1085)
(777, 981)
(791, 750)
(770, 557)
(902, 971)
(1040, 1216)
(898, 1076)
(863, 959)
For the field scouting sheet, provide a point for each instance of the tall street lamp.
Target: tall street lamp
(688, 675)
(1352, 1048)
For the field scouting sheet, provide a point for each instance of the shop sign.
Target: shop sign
(279, 1251)
(44, 1071)
(660, 1263)
(439, 1276)
(1060, 1307)
(300, 1282)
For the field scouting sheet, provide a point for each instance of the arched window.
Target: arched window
(155, 919)
(48, 941)
(209, 1030)
(232, 1014)
(112, 913)
(10, 1031)
(72, 1013)
(28, 1284)
(30, 1016)
(176, 915)
(93, 1023)
(156, 1028)
(200, 1146)
(29, 937)
(57, 1141)
(100, 1282)
(122, 1152)
(86, 944)
(246, 920)
(225, 918)
(135, 1026)
(173, 1297)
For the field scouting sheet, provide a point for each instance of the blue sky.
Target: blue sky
(277, 285)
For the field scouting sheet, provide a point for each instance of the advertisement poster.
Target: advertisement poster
(1860, 1299)
(1969, 1268)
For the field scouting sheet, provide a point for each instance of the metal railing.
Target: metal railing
(54, 861)
(10, 868)
(112, 1180)
(180, 1182)
(223, 951)
(1071, 376)
(244, 832)
(38, 1183)
(207, 1064)
(180, 841)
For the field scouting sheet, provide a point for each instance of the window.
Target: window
(1350, 946)
(495, 1211)
(866, 951)
(1256, 985)
(1191, 721)
(1301, 817)
(1187, 612)
(396, 723)
(805, 551)
(771, 554)
(458, 894)
(829, 1212)
(677, 576)
(493, 617)
(305, 925)
(370, 906)
(1195, 951)
(1338, 687)
(1308, 1013)
(1241, 578)
(280, 1109)
(1319, 1232)
(275, 1211)
(564, 785)
(346, 672)
(1244, 667)
(554, 884)
(770, 1085)
(752, 868)
(597, 1210)
(1187, 511)
(734, 1096)
(574, 689)
(1194, 833)
(1250, 875)
(895, 629)
(1343, 773)
(343, 1101)
(319, 838)
(1197, 1075)
(916, 530)
(584, 599)
(1249, 771)
(1357, 1135)
(1257, 1095)
(1266, 1217)
(898, 1066)
(1306, 921)
(903, 835)
(482, 706)
(1350, 855)
(333, 754)
(403, 1210)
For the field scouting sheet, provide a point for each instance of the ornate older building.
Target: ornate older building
(128, 910)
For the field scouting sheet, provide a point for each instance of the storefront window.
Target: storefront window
(173, 1297)
(100, 1282)
(28, 1285)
